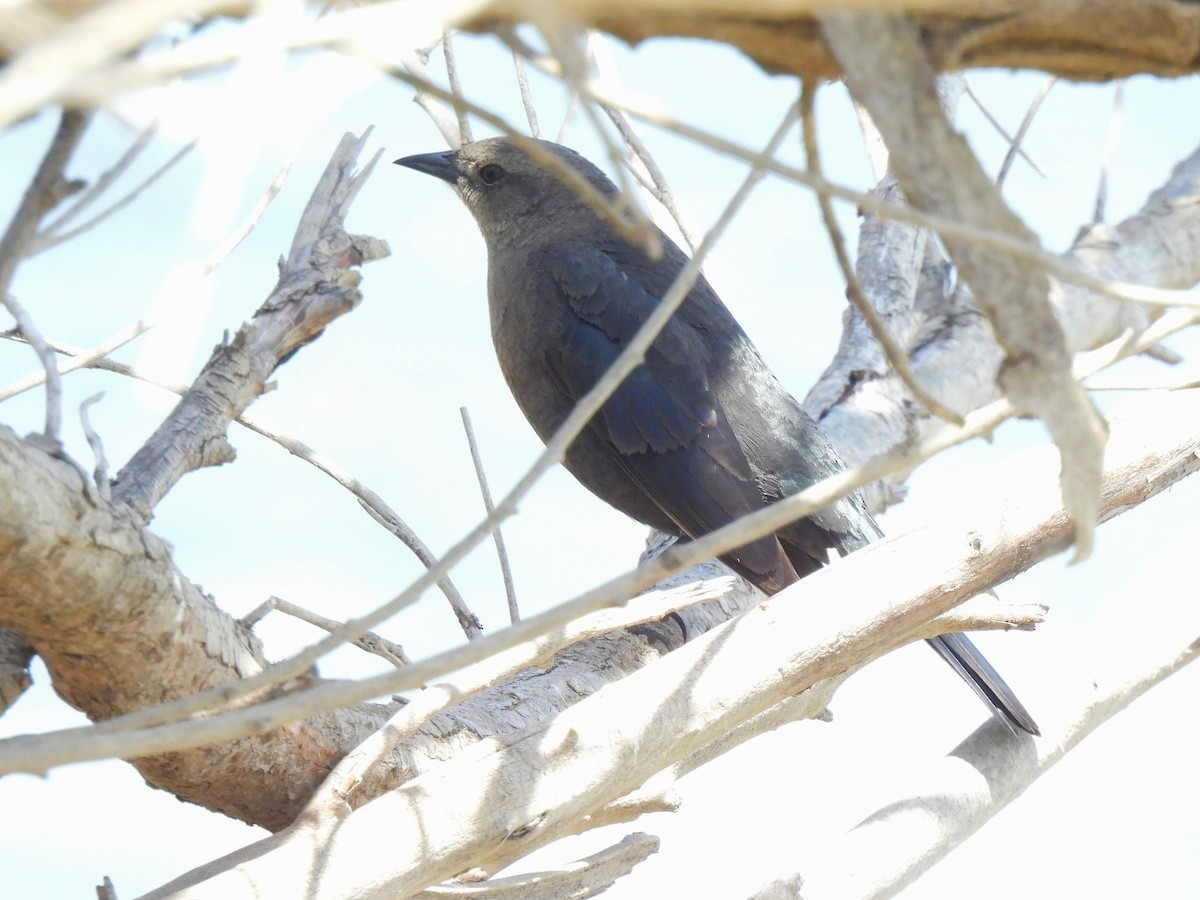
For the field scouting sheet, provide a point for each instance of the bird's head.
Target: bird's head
(510, 192)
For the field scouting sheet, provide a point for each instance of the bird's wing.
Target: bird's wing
(663, 404)
(662, 424)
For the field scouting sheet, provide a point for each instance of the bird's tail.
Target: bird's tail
(976, 671)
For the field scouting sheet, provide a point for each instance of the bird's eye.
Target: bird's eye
(491, 173)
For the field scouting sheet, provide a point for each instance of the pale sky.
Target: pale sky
(380, 393)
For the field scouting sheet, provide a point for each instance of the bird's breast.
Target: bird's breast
(527, 327)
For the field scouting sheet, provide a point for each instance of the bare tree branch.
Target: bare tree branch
(896, 357)
(526, 95)
(382, 513)
(100, 473)
(615, 214)
(612, 742)
(137, 733)
(53, 423)
(1018, 250)
(78, 360)
(514, 612)
(936, 809)
(86, 56)
(47, 189)
(53, 236)
(444, 115)
(100, 186)
(317, 284)
(1115, 38)
(464, 124)
(1001, 130)
(317, 741)
(1014, 146)
(48, 70)
(370, 501)
(888, 73)
(652, 177)
(371, 642)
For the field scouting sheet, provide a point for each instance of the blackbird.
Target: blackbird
(696, 436)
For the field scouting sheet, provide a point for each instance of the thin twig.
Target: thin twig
(544, 63)
(93, 438)
(98, 187)
(1001, 130)
(371, 642)
(896, 356)
(464, 123)
(49, 374)
(585, 877)
(120, 339)
(1190, 384)
(82, 49)
(943, 226)
(202, 55)
(87, 358)
(564, 42)
(568, 115)
(601, 58)
(1163, 354)
(1015, 145)
(526, 95)
(514, 613)
(389, 519)
(439, 111)
(654, 180)
(1110, 151)
(48, 238)
(45, 191)
(247, 225)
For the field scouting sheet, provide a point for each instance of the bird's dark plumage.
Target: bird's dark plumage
(700, 433)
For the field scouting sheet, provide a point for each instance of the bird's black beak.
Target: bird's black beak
(439, 165)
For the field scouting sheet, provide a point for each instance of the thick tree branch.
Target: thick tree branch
(98, 597)
(936, 809)
(609, 744)
(1093, 40)
(83, 57)
(953, 350)
(120, 628)
(888, 73)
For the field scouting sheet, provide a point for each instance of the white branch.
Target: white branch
(607, 745)
(935, 810)
(887, 71)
